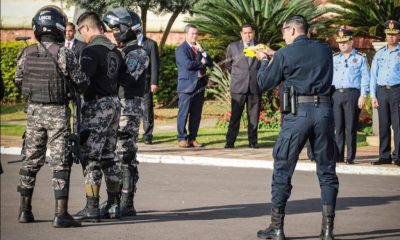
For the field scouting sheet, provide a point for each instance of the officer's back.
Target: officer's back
(307, 66)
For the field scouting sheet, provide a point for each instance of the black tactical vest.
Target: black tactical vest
(42, 82)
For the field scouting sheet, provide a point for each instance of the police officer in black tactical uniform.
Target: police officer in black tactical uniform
(103, 63)
(305, 69)
(41, 74)
(124, 24)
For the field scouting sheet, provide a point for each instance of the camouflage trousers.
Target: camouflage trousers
(47, 124)
(98, 140)
(128, 133)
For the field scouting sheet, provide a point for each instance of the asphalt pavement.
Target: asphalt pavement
(176, 201)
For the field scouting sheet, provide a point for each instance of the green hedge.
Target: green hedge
(168, 76)
(9, 52)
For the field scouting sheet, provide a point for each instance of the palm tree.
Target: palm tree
(366, 16)
(222, 19)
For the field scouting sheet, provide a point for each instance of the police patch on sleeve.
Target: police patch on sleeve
(113, 64)
(136, 61)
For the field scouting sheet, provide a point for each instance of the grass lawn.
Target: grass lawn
(211, 136)
(12, 129)
(9, 112)
(215, 137)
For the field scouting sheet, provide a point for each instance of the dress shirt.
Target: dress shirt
(351, 71)
(71, 43)
(385, 68)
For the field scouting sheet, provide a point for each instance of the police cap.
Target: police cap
(392, 27)
(343, 35)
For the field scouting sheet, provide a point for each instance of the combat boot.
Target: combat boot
(127, 206)
(91, 212)
(328, 216)
(110, 209)
(275, 229)
(62, 219)
(25, 210)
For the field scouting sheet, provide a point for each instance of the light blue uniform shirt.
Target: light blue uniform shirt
(385, 68)
(351, 71)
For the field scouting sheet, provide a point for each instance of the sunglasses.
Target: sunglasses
(283, 29)
(79, 29)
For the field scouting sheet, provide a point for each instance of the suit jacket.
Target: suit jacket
(243, 74)
(77, 48)
(188, 67)
(151, 48)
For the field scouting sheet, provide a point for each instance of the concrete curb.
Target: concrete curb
(248, 163)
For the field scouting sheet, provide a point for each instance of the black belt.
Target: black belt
(389, 87)
(313, 99)
(344, 90)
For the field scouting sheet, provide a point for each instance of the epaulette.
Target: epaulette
(335, 54)
(361, 54)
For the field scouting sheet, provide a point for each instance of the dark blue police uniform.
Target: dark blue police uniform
(306, 65)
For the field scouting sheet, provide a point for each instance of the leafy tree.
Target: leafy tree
(101, 6)
(222, 19)
(175, 7)
(366, 16)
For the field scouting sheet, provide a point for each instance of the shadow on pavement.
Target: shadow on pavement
(249, 211)
(375, 234)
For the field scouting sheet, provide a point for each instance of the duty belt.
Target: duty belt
(344, 90)
(389, 87)
(313, 99)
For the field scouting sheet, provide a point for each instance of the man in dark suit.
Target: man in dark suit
(192, 61)
(71, 42)
(151, 85)
(244, 88)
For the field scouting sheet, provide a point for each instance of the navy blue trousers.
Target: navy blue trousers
(389, 116)
(316, 124)
(346, 113)
(190, 107)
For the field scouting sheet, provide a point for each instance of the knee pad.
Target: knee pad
(27, 173)
(61, 184)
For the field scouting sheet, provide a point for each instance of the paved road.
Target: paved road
(197, 202)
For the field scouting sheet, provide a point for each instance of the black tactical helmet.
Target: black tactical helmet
(50, 20)
(126, 21)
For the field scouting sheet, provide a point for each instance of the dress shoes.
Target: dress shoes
(350, 161)
(147, 141)
(382, 161)
(183, 144)
(195, 144)
(229, 145)
(253, 145)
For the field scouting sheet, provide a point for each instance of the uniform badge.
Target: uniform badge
(391, 25)
(355, 60)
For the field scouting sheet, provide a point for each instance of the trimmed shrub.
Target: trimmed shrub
(168, 76)
(9, 52)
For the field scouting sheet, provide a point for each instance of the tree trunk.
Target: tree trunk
(143, 16)
(168, 28)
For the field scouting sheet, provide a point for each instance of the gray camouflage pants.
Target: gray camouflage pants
(128, 133)
(47, 124)
(98, 139)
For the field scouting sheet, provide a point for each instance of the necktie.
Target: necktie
(69, 44)
(248, 58)
(195, 54)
